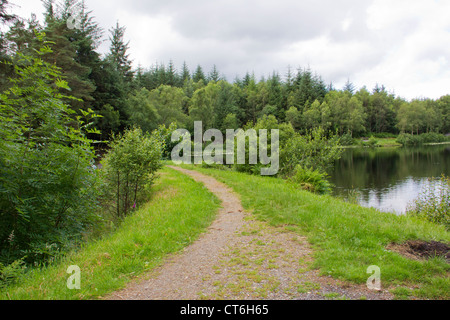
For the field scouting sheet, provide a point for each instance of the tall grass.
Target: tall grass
(433, 204)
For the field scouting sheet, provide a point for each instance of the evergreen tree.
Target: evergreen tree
(118, 52)
(214, 75)
(21, 36)
(275, 95)
(305, 90)
(64, 55)
(171, 75)
(161, 75)
(199, 75)
(289, 83)
(185, 73)
(349, 87)
(139, 78)
(109, 98)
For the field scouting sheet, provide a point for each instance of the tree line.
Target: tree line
(161, 94)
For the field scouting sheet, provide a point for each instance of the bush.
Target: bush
(130, 168)
(347, 140)
(372, 143)
(434, 202)
(311, 180)
(433, 137)
(314, 150)
(267, 122)
(165, 135)
(48, 185)
(409, 140)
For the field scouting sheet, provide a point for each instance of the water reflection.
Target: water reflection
(389, 178)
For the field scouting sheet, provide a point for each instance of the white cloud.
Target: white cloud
(402, 44)
(414, 35)
(346, 24)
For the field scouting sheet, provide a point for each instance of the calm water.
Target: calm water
(389, 178)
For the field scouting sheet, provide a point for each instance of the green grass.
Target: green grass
(178, 212)
(387, 142)
(381, 142)
(347, 238)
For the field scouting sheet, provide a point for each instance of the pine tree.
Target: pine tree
(171, 75)
(349, 87)
(289, 83)
(118, 52)
(64, 55)
(161, 75)
(185, 73)
(199, 75)
(214, 75)
(275, 94)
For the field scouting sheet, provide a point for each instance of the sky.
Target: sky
(401, 44)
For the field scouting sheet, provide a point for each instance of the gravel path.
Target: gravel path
(241, 258)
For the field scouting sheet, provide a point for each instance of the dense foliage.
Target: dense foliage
(47, 180)
(130, 168)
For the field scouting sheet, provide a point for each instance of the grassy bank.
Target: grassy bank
(347, 238)
(179, 211)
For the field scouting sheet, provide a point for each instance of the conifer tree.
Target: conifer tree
(185, 73)
(214, 74)
(199, 74)
(64, 56)
(171, 76)
(118, 52)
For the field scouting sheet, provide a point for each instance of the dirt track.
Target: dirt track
(241, 258)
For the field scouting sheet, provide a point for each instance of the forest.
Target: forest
(162, 94)
(63, 105)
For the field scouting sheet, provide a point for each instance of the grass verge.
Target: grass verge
(179, 211)
(347, 238)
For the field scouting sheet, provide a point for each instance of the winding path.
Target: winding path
(240, 257)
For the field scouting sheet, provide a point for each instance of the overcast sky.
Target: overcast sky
(402, 44)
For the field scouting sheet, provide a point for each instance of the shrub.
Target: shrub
(130, 167)
(314, 150)
(165, 135)
(48, 186)
(311, 180)
(372, 143)
(409, 140)
(267, 122)
(433, 137)
(347, 140)
(434, 202)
